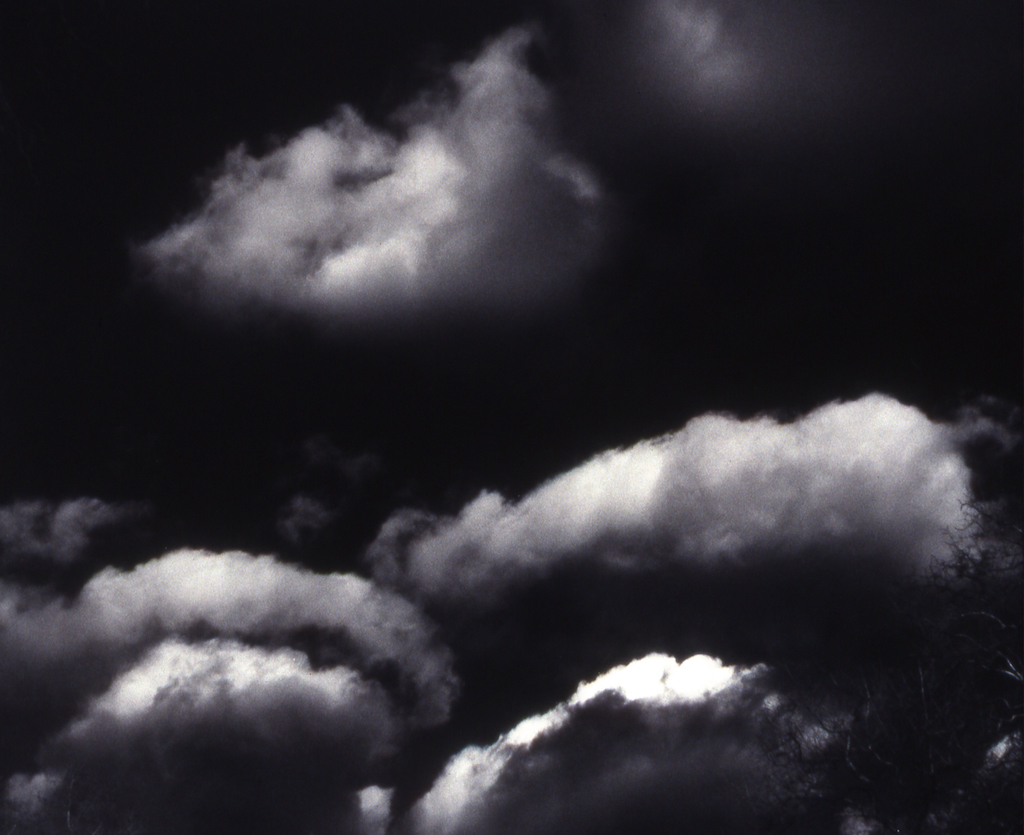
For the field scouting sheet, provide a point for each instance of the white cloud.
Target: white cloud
(472, 206)
(221, 688)
(871, 478)
(660, 679)
(230, 716)
(470, 780)
(234, 595)
(374, 810)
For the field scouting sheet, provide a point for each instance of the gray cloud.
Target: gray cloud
(201, 690)
(641, 742)
(859, 479)
(302, 517)
(57, 533)
(472, 206)
(232, 595)
(781, 71)
(327, 485)
(223, 713)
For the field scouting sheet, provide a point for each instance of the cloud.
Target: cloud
(327, 486)
(375, 810)
(470, 205)
(221, 692)
(302, 517)
(337, 618)
(636, 742)
(871, 478)
(199, 692)
(223, 714)
(226, 687)
(41, 531)
(26, 794)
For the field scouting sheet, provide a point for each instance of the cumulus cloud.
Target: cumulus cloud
(872, 478)
(470, 205)
(229, 687)
(57, 533)
(224, 693)
(200, 691)
(225, 714)
(342, 618)
(601, 756)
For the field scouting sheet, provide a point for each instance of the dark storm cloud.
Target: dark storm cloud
(871, 478)
(470, 206)
(641, 748)
(57, 533)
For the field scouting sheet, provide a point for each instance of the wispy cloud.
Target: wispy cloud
(470, 206)
(57, 533)
(871, 478)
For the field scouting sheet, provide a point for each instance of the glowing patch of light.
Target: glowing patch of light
(661, 679)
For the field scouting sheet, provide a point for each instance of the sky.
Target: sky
(439, 418)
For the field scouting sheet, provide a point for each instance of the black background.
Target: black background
(869, 240)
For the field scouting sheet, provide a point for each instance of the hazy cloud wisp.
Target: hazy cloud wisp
(41, 530)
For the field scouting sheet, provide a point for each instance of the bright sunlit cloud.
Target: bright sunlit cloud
(865, 479)
(656, 682)
(472, 207)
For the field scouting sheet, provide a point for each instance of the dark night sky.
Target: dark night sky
(664, 209)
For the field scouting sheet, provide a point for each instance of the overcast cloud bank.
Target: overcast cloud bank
(470, 206)
(871, 478)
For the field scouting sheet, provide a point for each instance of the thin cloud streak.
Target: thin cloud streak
(471, 207)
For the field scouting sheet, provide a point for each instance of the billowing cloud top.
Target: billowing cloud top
(199, 668)
(238, 596)
(472, 207)
(872, 477)
(472, 792)
(227, 688)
